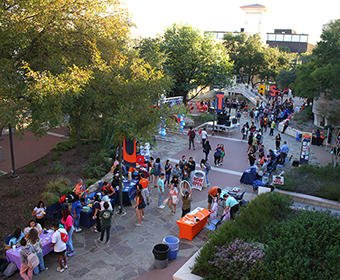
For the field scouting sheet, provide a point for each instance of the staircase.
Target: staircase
(252, 96)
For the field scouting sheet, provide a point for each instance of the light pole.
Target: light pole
(215, 88)
(14, 175)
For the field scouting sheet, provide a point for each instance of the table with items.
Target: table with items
(13, 255)
(249, 176)
(129, 192)
(193, 222)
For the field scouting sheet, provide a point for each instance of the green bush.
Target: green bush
(98, 166)
(206, 117)
(57, 186)
(14, 192)
(30, 168)
(249, 225)
(64, 146)
(314, 180)
(47, 196)
(304, 247)
(44, 161)
(68, 190)
(90, 182)
(53, 200)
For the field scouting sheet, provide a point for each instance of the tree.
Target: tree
(285, 78)
(193, 60)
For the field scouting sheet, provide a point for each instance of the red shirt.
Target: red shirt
(213, 191)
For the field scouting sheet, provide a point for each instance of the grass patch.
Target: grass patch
(314, 180)
(30, 168)
(206, 117)
(14, 193)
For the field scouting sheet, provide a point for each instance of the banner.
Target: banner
(262, 89)
(129, 153)
(273, 90)
(199, 180)
(286, 91)
(305, 147)
(220, 101)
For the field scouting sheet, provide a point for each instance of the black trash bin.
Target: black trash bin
(161, 253)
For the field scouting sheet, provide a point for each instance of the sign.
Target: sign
(278, 180)
(273, 90)
(305, 148)
(220, 102)
(262, 89)
(129, 153)
(199, 180)
(286, 91)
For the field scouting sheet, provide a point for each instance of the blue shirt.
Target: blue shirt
(160, 185)
(230, 201)
(76, 206)
(285, 149)
(14, 241)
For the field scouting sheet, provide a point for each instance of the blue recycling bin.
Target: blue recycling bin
(172, 242)
(298, 136)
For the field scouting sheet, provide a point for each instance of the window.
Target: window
(271, 37)
(287, 38)
(279, 37)
(296, 38)
(304, 38)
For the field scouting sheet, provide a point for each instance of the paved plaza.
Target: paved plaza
(129, 254)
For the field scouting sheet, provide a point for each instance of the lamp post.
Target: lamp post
(14, 175)
(215, 88)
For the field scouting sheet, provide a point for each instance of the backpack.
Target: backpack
(10, 269)
(192, 134)
(32, 259)
(207, 166)
(64, 236)
(242, 130)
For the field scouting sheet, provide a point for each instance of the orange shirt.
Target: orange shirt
(144, 182)
(213, 191)
(77, 189)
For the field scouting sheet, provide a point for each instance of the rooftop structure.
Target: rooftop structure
(253, 18)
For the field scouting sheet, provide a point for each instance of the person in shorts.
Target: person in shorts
(212, 193)
(145, 188)
(59, 246)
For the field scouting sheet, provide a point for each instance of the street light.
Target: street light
(215, 88)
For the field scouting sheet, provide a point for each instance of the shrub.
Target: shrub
(249, 225)
(206, 117)
(53, 200)
(234, 261)
(57, 186)
(54, 157)
(30, 168)
(44, 161)
(14, 192)
(62, 180)
(304, 247)
(98, 166)
(66, 191)
(47, 196)
(64, 146)
(90, 182)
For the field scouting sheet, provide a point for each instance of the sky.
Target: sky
(153, 16)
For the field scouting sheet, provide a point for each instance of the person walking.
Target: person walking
(106, 218)
(204, 136)
(272, 126)
(160, 188)
(157, 169)
(206, 149)
(191, 135)
(217, 155)
(59, 245)
(168, 169)
(206, 168)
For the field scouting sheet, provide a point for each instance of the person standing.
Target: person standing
(168, 169)
(139, 207)
(192, 167)
(186, 203)
(59, 246)
(222, 153)
(285, 126)
(67, 221)
(205, 168)
(277, 141)
(145, 192)
(26, 272)
(34, 240)
(96, 208)
(251, 157)
(39, 213)
(272, 126)
(284, 152)
(157, 167)
(76, 209)
(204, 136)
(206, 149)
(217, 155)
(160, 189)
(106, 218)
(173, 198)
(250, 141)
(191, 135)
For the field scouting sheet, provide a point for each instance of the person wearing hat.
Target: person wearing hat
(231, 203)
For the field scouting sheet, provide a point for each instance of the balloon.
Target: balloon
(181, 129)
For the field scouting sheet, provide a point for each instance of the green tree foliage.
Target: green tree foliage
(321, 74)
(251, 58)
(193, 60)
(286, 78)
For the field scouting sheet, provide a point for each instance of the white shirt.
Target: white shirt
(40, 211)
(56, 238)
(204, 134)
(37, 227)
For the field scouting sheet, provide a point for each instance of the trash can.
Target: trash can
(161, 253)
(298, 136)
(172, 242)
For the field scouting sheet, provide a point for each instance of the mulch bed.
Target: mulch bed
(31, 185)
